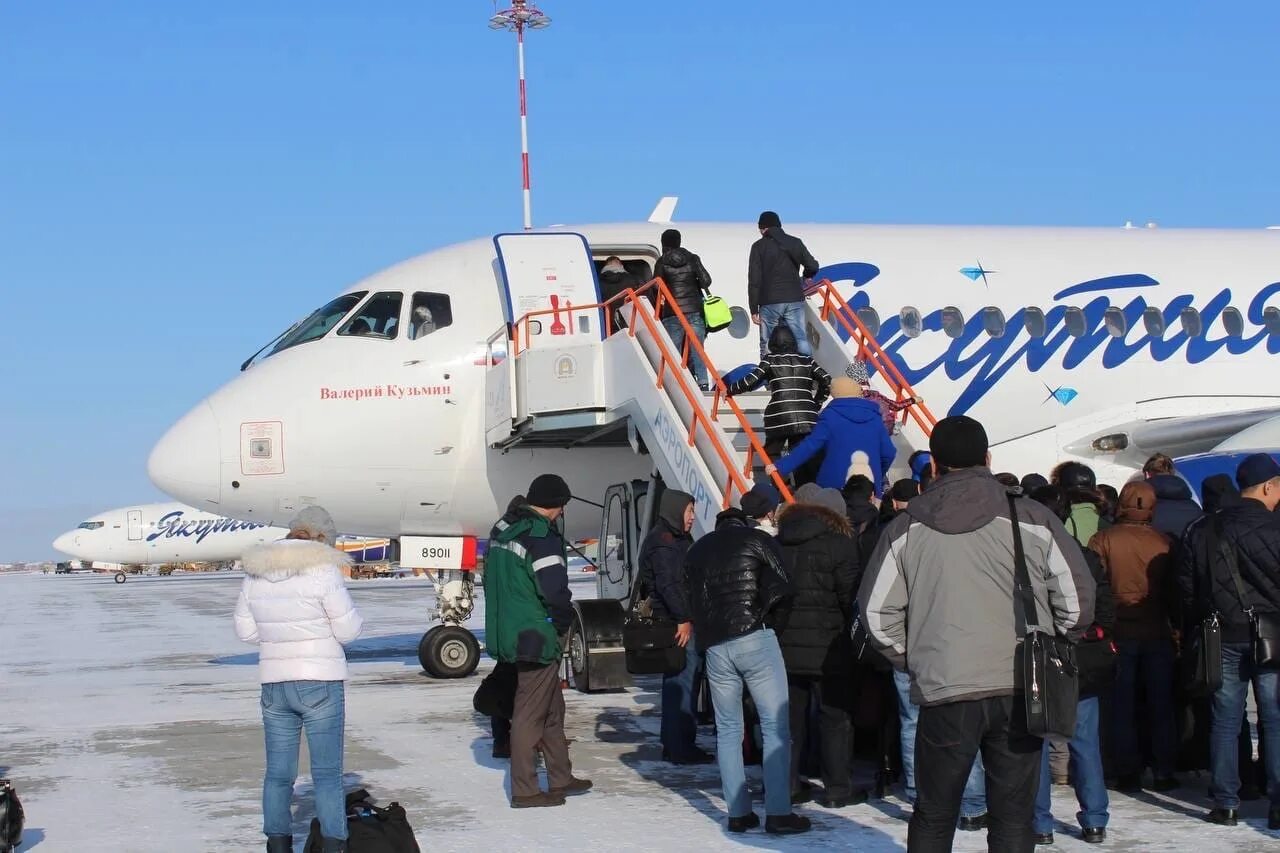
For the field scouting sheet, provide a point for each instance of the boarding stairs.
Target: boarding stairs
(627, 386)
(838, 336)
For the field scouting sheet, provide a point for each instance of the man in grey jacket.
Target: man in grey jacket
(938, 598)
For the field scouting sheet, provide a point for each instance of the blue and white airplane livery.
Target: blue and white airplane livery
(162, 533)
(1096, 344)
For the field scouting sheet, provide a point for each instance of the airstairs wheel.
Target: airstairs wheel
(449, 651)
(121, 577)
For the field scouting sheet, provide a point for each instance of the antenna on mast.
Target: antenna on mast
(518, 18)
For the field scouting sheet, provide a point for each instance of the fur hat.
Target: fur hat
(316, 522)
(843, 386)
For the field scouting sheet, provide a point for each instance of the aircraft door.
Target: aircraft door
(551, 273)
(134, 522)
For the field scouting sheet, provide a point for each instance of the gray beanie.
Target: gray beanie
(316, 521)
(812, 493)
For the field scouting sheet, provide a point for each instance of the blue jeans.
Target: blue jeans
(288, 707)
(1149, 662)
(791, 313)
(974, 801)
(679, 711)
(1238, 671)
(1086, 774)
(755, 659)
(676, 332)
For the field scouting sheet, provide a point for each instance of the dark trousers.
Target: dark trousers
(538, 724)
(501, 732)
(834, 731)
(775, 444)
(1148, 663)
(947, 740)
(680, 706)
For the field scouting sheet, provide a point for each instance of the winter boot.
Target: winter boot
(279, 844)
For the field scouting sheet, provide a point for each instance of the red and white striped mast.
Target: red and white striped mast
(520, 16)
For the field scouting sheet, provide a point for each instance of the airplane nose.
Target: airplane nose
(185, 462)
(66, 544)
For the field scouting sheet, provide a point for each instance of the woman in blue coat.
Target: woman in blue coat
(852, 433)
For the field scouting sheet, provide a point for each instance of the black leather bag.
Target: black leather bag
(1201, 664)
(1263, 627)
(863, 651)
(650, 644)
(370, 828)
(496, 695)
(1047, 663)
(11, 817)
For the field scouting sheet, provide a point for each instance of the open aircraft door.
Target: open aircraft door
(553, 273)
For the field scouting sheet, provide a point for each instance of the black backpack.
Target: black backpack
(370, 828)
(11, 817)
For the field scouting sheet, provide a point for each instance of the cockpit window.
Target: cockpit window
(91, 525)
(320, 322)
(377, 318)
(431, 313)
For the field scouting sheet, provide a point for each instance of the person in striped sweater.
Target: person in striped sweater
(797, 389)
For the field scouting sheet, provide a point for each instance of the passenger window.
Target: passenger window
(1153, 320)
(993, 322)
(1075, 322)
(909, 320)
(1115, 322)
(1271, 319)
(377, 318)
(1233, 322)
(871, 320)
(320, 322)
(431, 313)
(1034, 321)
(952, 322)
(1191, 322)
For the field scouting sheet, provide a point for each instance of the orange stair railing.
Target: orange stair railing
(672, 367)
(869, 349)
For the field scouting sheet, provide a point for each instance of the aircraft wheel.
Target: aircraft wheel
(449, 651)
(579, 657)
(121, 577)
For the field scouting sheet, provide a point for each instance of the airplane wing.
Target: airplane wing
(1135, 441)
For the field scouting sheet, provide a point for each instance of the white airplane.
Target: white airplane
(418, 402)
(154, 534)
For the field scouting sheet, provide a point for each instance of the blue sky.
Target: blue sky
(179, 182)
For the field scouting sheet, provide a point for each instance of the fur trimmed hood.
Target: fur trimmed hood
(801, 522)
(282, 560)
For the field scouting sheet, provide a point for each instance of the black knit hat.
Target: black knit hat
(549, 491)
(671, 239)
(769, 219)
(959, 442)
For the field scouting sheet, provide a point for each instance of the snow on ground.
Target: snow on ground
(131, 723)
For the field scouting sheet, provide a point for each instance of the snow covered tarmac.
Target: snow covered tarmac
(130, 723)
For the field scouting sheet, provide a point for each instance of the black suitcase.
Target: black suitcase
(650, 646)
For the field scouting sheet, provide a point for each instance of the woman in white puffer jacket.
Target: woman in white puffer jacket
(294, 604)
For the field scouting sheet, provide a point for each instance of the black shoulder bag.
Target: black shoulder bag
(1046, 663)
(1201, 664)
(1264, 628)
(370, 828)
(11, 817)
(649, 641)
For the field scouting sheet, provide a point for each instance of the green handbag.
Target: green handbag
(716, 313)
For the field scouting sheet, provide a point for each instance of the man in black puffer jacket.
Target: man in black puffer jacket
(775, 289)
(797, 389)
(1175, 507)
(687, 280)
(662, 581)
(616, 279)
(821, 560)
(1206, 585)
(736, 581)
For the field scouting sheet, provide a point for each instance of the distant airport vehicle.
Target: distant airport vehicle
(419, 402)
